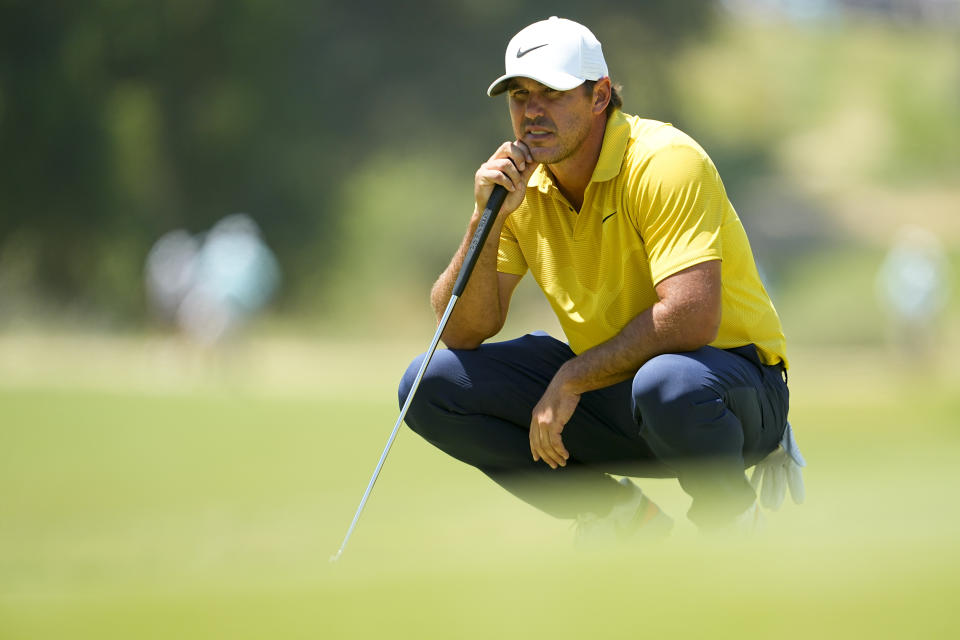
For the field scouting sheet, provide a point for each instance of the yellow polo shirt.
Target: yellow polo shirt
(655, 205)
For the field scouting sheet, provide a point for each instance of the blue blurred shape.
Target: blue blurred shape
(210, 284)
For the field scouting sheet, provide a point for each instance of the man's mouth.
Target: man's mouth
(538, 134)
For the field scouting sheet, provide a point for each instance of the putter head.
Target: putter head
(336, 556)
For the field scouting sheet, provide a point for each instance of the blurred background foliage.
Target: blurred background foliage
(350, 132)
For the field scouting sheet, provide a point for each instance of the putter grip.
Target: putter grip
(480, 237)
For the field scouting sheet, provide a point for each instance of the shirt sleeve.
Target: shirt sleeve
(680, 209)
(509, 256)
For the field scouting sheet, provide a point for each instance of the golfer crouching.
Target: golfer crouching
(675, 361)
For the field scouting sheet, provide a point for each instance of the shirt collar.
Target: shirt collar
(615, 140)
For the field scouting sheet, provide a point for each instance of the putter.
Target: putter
(473, 253)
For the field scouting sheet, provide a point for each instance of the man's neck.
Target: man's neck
(573, 174)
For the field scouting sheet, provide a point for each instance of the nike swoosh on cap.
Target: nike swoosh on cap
(521, 52)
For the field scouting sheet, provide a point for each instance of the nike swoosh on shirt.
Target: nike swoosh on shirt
(608, 217)
(521, 52)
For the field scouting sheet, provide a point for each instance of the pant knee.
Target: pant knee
(679, 411)
(414, 416)
(434, 394)
(667, 387)
(406, 382)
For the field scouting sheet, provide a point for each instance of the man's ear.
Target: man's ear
(601, 95)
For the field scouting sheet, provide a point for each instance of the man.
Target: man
(676, 359)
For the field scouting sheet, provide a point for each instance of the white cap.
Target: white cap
(559, 53)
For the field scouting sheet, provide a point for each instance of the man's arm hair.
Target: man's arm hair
(482, 309)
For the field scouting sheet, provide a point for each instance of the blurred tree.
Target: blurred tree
(123, 120)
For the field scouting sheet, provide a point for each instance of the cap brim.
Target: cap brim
(556, 80)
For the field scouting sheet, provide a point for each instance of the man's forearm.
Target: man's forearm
(477, 315)
(613, 361)
(684, 320)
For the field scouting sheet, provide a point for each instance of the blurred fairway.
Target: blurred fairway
(148, 491)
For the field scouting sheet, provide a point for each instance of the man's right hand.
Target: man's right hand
(510, 166)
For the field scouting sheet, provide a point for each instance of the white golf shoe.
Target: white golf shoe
(637, 518)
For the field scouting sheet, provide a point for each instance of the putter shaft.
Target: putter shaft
(396, 427)
(473, 253)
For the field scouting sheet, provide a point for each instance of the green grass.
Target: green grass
(209, 511)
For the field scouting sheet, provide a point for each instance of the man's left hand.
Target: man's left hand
(549, 417)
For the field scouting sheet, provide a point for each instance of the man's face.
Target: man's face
(552, 123)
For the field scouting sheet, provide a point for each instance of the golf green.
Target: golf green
(209, 509)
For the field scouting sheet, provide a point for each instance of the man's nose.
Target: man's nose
(533, 107)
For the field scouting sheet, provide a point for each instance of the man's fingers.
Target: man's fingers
(522, 146)
(551, 449)
(503, 172)
(539, 446)
(520, 156)
(557, 443)
(517, 151)
(550, 458)
(547, 454)
(554, 446)
(546, 427)
(536, 446)
(512, 168)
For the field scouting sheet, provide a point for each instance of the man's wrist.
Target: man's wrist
(566, 379)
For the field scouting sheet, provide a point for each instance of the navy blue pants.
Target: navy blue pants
(702, 417)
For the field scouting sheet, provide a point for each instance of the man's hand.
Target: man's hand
(549, 417)
(510, 166)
